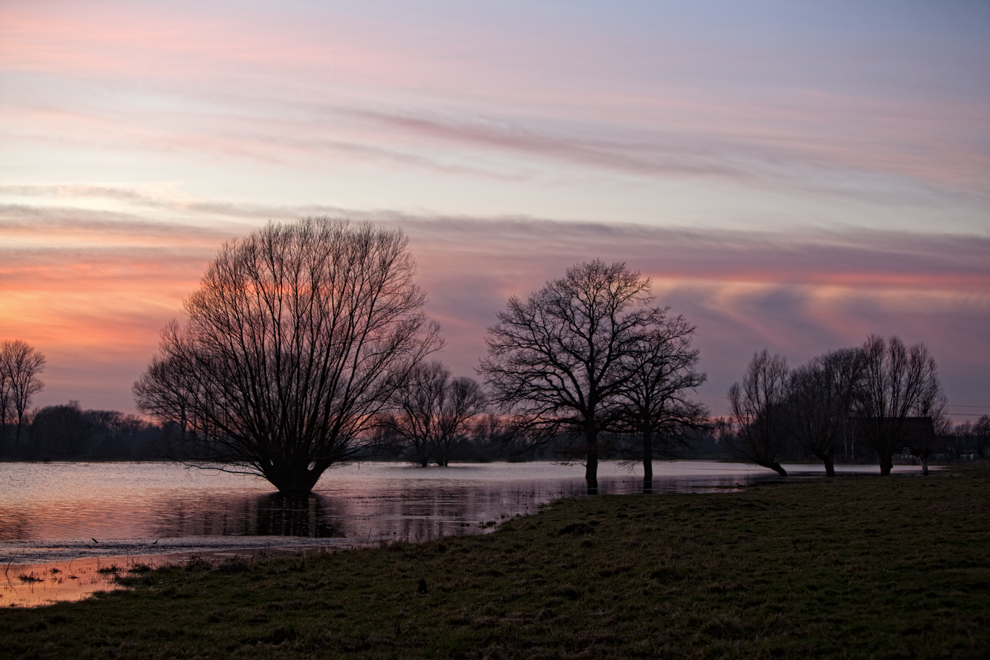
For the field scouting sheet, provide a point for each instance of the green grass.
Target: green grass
(852, 567)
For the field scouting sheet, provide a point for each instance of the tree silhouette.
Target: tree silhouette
(654, 405)
(758, 409)
(296, 340)
(60, 431)
(981, 436)
(820, 401)
(432, 413)
(898, 383)
(559, 358)
(20, 365)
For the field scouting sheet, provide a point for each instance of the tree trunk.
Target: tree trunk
(924, 465)
(886, 463)
(776, 467)
(647, 462)
(829, 461)
(591, 467)
(299, 484)
(591, 471)
(296, 478)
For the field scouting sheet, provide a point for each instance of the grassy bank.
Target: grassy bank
(852, 567)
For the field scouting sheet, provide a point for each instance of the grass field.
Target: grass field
(851, 567)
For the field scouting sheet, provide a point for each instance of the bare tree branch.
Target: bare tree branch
(757, 406)
(20, 365)
(558, 359)
(296, 340)
(433, 412)
(898, 383)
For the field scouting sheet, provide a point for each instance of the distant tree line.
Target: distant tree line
(66, 432)
(307, 345)
(881, 401)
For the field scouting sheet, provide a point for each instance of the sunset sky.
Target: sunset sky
(792, 175)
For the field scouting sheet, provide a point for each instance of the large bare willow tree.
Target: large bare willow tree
(296, 340)
(820, 400)
(560, 358)
(898, 383)
(758, 406)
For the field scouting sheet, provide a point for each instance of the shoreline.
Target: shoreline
(37, 584)
(16, 553)
(824, 568)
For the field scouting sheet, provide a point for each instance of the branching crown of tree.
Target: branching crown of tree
(757, 405)
(655, 405)
(296, 340)
(559, 358)
(898, 382)
(20, 365)
(432, 412)
(6, 394)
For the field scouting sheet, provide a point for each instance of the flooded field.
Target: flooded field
(78, 517)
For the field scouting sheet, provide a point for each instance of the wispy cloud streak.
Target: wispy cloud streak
(790, 175)
(796, 294)
(270, 89)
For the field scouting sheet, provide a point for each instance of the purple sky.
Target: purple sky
(791, 175)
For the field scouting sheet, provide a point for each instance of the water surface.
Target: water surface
(56, 511)
(62, 525)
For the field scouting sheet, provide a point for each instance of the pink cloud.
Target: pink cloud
(169, 42)
(95, 308)
(401, 94)
(790, 294)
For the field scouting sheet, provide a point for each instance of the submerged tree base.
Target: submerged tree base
(892, 567)
(776, 467)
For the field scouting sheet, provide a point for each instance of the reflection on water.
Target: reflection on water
(270, 514)
(63, 510)
(29, 585)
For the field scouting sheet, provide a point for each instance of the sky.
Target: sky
(791, 175)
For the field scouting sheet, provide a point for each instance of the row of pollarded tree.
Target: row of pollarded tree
(885, 392)
(306, 342)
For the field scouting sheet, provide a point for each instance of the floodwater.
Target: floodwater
(76, 518)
